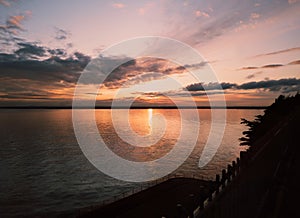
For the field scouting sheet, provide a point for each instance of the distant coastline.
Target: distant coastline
(136, 107)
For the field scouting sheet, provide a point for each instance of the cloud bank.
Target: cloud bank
(285, 85)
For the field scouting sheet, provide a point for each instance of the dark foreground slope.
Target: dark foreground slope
(269, 185)
(159, 201)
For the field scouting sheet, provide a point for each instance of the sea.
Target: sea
(43, 170)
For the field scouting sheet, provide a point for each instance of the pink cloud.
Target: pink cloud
(15, 21)
(143, 10)
(118, 5)
(255, 16)
(201, 14)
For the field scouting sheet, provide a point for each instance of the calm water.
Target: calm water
(43, 170)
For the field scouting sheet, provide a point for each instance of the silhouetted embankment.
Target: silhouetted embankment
(176, 197)
(268, 186)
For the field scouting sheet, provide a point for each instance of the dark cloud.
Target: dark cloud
(38, 73)
(61, 34)
(176, 93)
(98, 70)
(134, 72)
(57, 52)
(248, 68)
(35, 90)
(81, 59)
(7, 57)
(262, 67)
(197, 65)
(32, 65)
(33, 51)
(210, 86)
(51, 70)
(279, 52)
(272, 66)
(253, 75)
(281, 85)
(151, 94)
(29, 70)
(285, 85)
(30, 51)
(294, 62)
(207, 93)
(143, 70)
(32, 94)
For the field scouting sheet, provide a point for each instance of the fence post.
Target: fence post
(223, 178)
(210, 194)
(191, 212)
(244, 158)
(191, 208)
(229, 172)
(238, 165)
(233, 169)
(179, 210)
(218, 183)
(201, 204)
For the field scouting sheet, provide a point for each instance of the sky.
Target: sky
(253, 48)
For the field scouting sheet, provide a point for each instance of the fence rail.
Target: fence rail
(222, 182)
(144, 187)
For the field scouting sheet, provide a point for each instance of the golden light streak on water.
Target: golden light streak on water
(150, 113)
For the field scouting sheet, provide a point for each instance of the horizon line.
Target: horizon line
(134, 107)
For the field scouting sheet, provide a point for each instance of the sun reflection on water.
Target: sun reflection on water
(150, 113)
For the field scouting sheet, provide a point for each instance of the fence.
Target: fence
(220, 183)
(141, 188)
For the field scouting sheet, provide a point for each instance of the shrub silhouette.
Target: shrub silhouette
(273, 115)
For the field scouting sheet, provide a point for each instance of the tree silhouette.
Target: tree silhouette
(281, 108)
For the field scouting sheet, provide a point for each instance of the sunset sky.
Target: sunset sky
(252, 46)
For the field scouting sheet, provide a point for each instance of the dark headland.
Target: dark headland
(268, 184)
(263, 182)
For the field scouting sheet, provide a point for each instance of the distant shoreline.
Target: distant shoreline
(137, 107)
